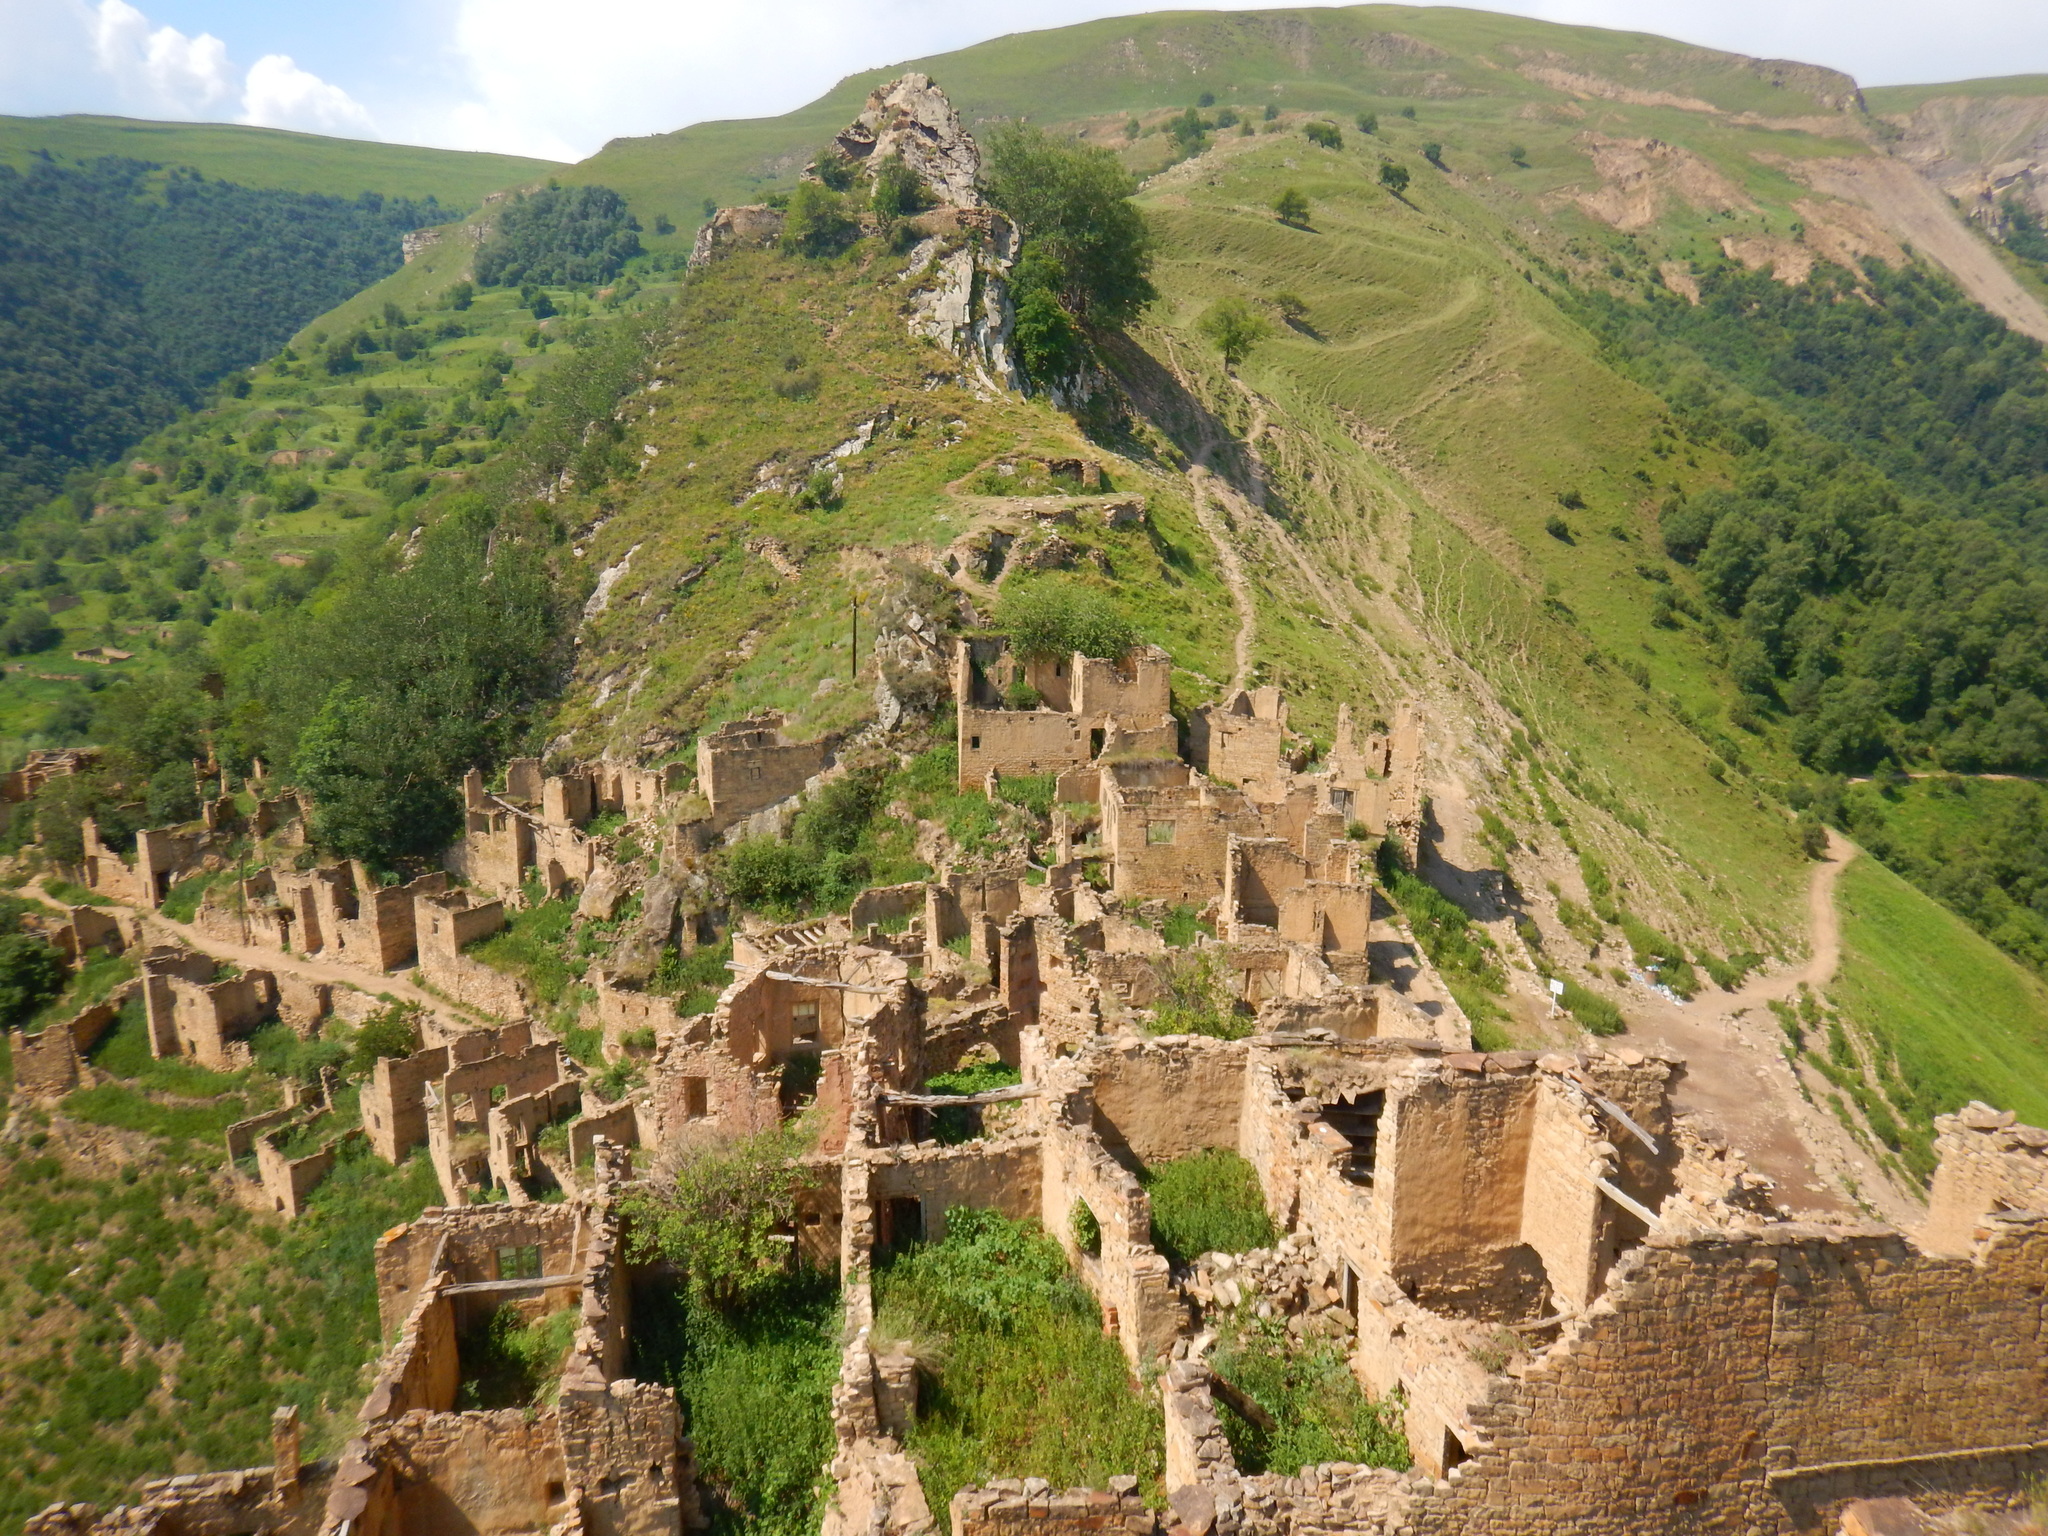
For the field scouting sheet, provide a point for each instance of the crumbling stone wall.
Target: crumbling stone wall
(1240, 741)
(50, 1064)
(1988, 1163)
(192, 1015)
(998, 1175)
(443, 924)
(1165, 1099)
(1031, 1507)
(748, 765)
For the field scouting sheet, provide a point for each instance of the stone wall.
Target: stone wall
(1031, 1507)
(998, 1175)
(443, 924)
(1165, 1099)
(748, 765)
(50, 1064)
(1018, 743)
(1989, 1163)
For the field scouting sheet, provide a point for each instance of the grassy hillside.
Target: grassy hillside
(274, 158)
(1888, 99)
(1471, 67)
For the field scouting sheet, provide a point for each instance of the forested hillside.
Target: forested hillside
(127, 290)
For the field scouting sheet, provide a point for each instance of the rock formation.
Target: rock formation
(911, 119)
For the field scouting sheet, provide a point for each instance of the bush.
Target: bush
(1594, 1012)
(817, 223)
(1319, 1412)
(1207, 1202)
(1558, 528)
(1368, 123)
(390, 1031)
(1394, 177)
(1329, 135)
(1056, 616)
(720, 1219)
(899, 191)
(1197, 998)
(508, 1362)
(32, 974)
(560, 235)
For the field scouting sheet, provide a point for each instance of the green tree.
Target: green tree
(1234, 327)
(173, 797)
(1329, 135)
(1049, 344)
(1072, 204)
(31, 974)
(1433, 152)
(721, 1218)
(1056, 616)
(817, 223)
(1368, 122)
(1394, 177)
(899, 191)
(1517, 155)
(1292, 207)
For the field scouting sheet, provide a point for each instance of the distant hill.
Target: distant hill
(272, 158)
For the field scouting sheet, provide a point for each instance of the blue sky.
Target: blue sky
(547, 78)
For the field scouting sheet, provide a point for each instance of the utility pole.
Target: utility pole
(853, 651)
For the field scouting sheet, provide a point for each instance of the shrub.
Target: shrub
(1394, 177)
(899, 191)
(833, 168)
(1084, 1228)
(1433, 152)
(1207, 1202)
(1197, 998)
(1558, 528)
(721, 1216)
(1318, 1411)
(1596, 1013)
(32, 974)
(1368, 122)
(1056, 616)
(817, 223)
(508, 1362)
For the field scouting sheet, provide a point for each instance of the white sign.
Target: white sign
(1556, 988)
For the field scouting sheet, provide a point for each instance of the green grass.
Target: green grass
(1018, 1378)
(273, 157)
(1962, 1020)
(533, 946)
(182, 904)
(1321, 1412)
(151, 1325)
(1207, 1202)
(953, 1126)
(756, 1393)
(508, 1362)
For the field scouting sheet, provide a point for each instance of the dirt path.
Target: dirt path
(1739, 1085)
(251, 957)
(1202, 485)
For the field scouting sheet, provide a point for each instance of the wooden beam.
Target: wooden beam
(950, 1100)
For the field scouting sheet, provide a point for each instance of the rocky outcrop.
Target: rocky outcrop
(960, 296)
(754, 224)
(911, 119)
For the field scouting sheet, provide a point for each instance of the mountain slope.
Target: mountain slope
(1445, 472)
(273, 158)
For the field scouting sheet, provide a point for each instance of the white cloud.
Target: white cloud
(159, 72)
(279, 94)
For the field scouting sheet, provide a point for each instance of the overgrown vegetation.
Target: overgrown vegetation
(953, 1126)
(1317, 1409)
(725, 1215)
(560, 235)
(1056, 616)
(1207, 1202)
(1017, 1378)
(1879, 550)
(509, 1361)
(755, 1384)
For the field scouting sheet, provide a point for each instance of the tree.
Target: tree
(817, 223)
(1072, 204)
(462, 295)
(1517, 155)
(1291, 207)
(899, 191)
(1433, 152)
(31, 974)
(721, 1215)
(173, 798)
(1329, 135)
(1394, 177)
(560, 235)
(1056, 616)
(1368, 122)
(1235, 328)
